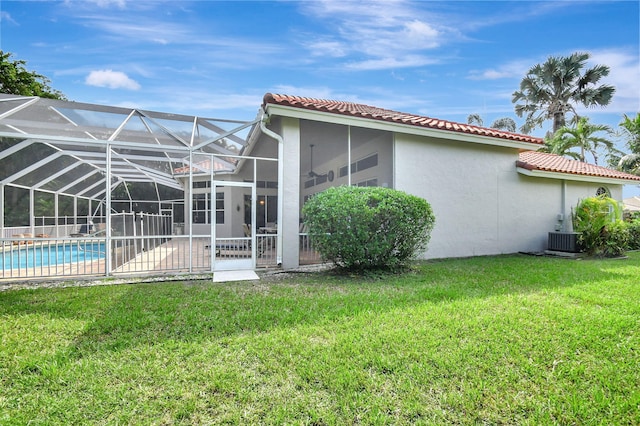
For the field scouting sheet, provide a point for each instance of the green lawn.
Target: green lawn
(498, 340)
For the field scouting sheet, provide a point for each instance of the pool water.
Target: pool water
(51, 255)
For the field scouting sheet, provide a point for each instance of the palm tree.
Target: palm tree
(581, 136)
(475, 120)
(630, 128)
(552, 89)
(506, 123)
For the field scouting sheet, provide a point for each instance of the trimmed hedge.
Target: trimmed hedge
(368, 227)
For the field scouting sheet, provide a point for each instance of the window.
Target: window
(220, 207)
(265, 184)
(360, 165)
(319, 179)
(368, 162)
(370, 182)
(267, 210)
(202, 208)
(603, 192)
(202, 184)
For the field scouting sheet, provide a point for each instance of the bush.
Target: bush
(368, 227)
(599, 222)
(634, 234)
(616, 239)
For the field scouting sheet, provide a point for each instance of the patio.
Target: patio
(177, 254)
(160, 188)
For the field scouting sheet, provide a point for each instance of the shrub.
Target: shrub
(368, 227)
(634, 234)
(599, 222)
(616, 239)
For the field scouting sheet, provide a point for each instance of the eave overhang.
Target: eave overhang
(349, 120)
(545, 174)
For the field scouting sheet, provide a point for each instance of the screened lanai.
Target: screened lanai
(98, 190)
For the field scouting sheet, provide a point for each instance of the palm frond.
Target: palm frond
(630, 163)
(505, 123)
(475, 119)
(557, 85)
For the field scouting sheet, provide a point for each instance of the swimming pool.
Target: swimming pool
(51, 254)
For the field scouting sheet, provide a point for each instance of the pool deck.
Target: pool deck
(173, 256)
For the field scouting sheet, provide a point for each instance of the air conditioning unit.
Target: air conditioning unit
(564, 241)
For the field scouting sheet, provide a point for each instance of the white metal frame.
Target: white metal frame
(234, 264)
(103, 156)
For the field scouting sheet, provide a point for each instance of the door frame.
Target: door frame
(233, 264)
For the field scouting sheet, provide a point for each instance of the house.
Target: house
(490, 190)
(175, 193)
(632, 204)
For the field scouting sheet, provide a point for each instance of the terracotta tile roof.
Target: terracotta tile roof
(205, 165)
(374, 113)
(532, 160)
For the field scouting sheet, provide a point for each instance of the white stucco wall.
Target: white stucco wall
(482, 204)
(460, 181)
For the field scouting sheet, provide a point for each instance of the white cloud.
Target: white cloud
(104, 4)
(380, 97)
(383, 35)
(194, 42)
(391, 63)
(514, 69)
(111, 79)
(318, 92)
(421, 34)
(624, 76)
(6, 17)
(334, 49)
(490, 74)
(202, 101)
(141, 28)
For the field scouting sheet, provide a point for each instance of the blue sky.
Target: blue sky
(444, 59)
(215, 58)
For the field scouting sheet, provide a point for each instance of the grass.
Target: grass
(498, 340)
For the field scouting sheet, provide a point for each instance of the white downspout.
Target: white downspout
(566, 221)
(280, 141)
(2, 211)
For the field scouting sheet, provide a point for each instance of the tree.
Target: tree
(630, 129)
(553, 89)
(15, 79)
(507, 124)
(582, 136)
